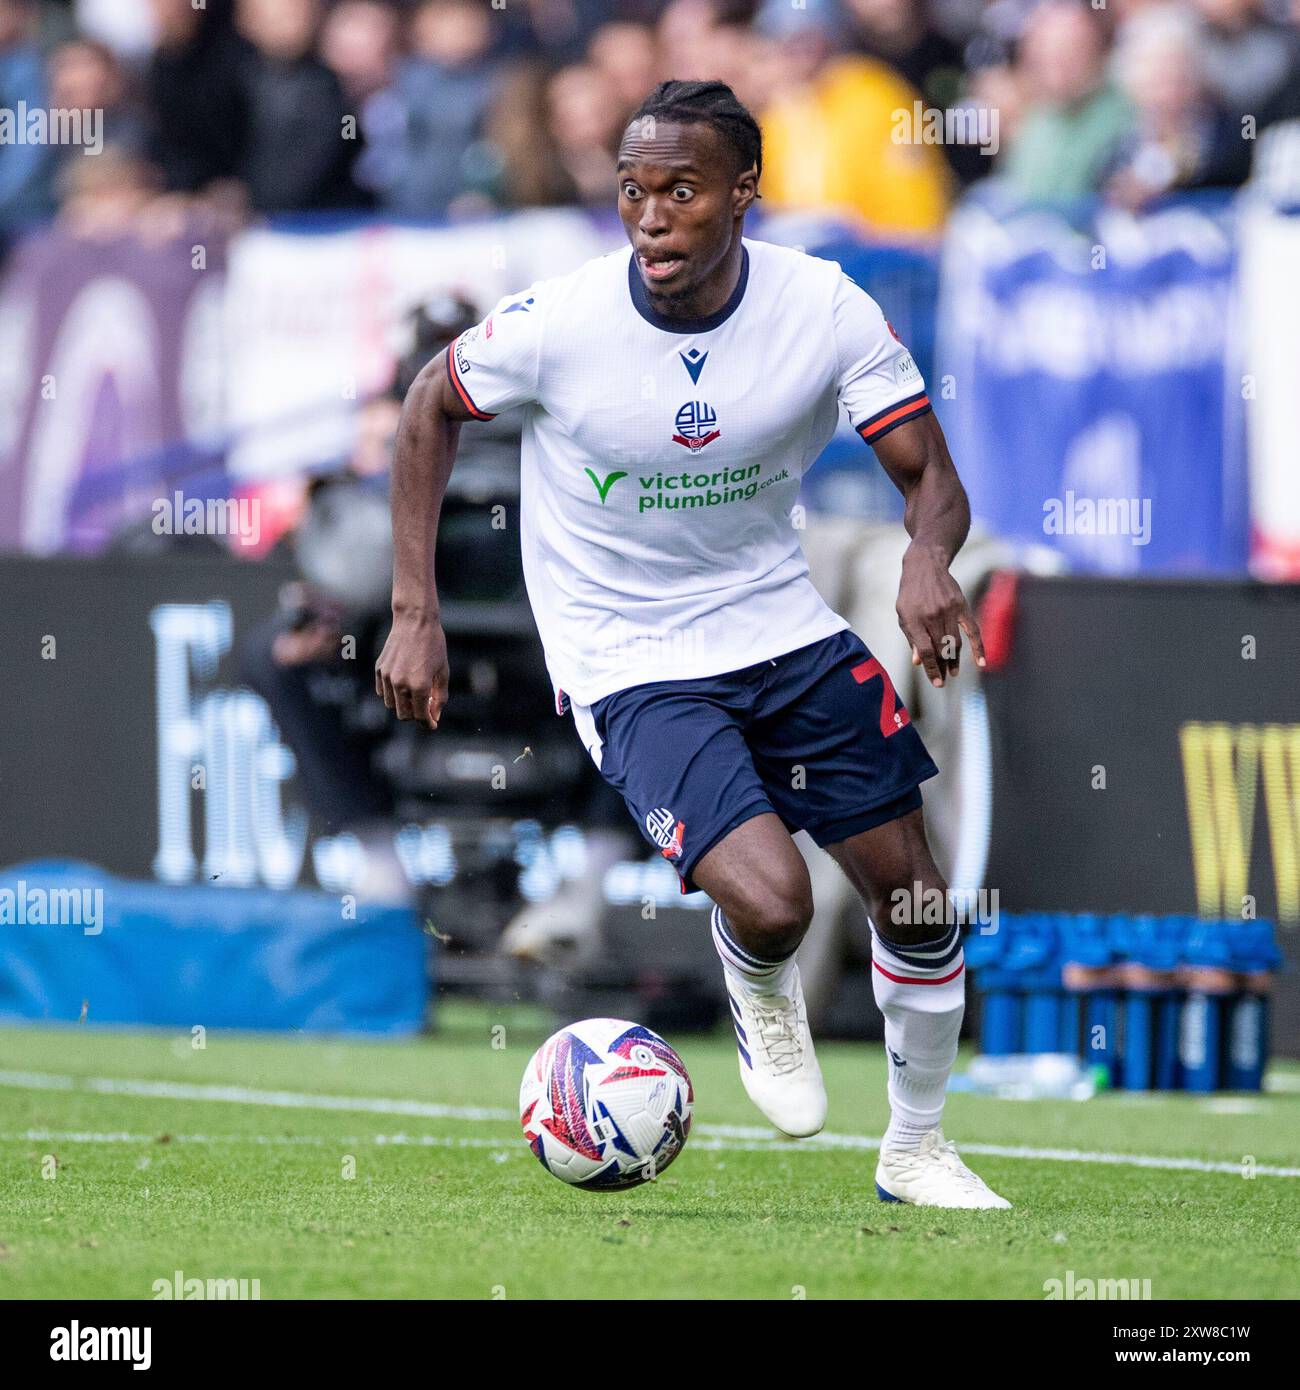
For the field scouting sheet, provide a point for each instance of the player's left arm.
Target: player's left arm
(932, 610)
(880, 387)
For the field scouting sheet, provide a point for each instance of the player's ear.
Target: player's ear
(745, 191)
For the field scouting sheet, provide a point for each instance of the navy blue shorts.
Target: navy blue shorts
(816, 736)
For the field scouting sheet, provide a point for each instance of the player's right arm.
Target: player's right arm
(411, 674)
(489, 368)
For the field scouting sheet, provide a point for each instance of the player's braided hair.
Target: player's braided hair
(709, 103)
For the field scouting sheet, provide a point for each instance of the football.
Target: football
(605, 1104)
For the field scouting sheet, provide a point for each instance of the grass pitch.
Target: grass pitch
(368, 1170)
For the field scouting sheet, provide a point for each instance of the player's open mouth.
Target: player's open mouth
(660, 268)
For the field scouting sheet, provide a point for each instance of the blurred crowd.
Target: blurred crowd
(454, 108)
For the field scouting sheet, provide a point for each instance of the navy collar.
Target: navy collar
(676, 325)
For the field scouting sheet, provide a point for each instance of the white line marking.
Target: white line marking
(37, 1081)
(724, 1138)
(242, 1095)
(343, 1141)
(432, 1141)
(1191, 1165)
(1233, 1105)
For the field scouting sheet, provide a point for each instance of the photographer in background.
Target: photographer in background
(310, 661)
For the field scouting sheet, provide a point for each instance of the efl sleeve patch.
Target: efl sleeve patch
(878, 380)
(458, 368)
(494, 365)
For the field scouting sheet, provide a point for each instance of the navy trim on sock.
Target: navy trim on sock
(756, 962)
(926, 955)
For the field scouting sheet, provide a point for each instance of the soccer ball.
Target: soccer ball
(605, 1104)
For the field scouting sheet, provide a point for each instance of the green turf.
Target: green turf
(218, 1189)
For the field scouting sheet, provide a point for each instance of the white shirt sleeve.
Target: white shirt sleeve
(879, 382)
(494, 365)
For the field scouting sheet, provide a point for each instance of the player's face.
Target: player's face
(679, 197)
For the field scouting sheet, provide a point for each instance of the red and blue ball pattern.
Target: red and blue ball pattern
(606, 1104)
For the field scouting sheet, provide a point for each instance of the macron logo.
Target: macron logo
(694, 362)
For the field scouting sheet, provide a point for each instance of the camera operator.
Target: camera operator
(310, 661)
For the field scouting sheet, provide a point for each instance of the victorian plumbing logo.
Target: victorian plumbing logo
(685, 491)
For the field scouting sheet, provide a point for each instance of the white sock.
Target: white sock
(921, 990)
(757, 975)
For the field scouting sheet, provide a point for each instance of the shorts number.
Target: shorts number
(893, 716)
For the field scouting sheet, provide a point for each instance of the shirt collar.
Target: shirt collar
(641, 300)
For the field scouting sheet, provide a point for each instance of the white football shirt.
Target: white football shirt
(661, 458)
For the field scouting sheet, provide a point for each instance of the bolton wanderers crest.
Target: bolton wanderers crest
(697, 425)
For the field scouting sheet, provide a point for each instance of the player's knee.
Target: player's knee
(913, 906)
(774, 921)
(902, 886)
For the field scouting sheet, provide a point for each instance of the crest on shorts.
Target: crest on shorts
(659, 826)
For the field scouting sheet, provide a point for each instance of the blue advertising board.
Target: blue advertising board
(1086, 383)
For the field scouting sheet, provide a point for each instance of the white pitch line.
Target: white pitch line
(1233, 1105)
(421, 1141)
(242, 1095)
(725, 1138)
(703, 1137)
(1177, 1165)
(427, 1141)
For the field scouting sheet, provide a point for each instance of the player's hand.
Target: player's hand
(411, 673)
(933, 613)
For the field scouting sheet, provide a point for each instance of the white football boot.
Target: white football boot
(777, 1063)
(933, 1177)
